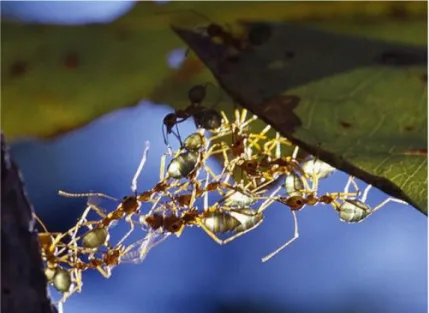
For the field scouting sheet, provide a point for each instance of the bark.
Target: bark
(24, 285)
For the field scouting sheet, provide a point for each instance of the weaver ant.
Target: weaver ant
(56, 255)
(98, 235)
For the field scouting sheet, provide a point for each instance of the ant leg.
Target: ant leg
(106, 273)
(177, 134)
(129, 220)
(365, 193)
(60, 307)
(250, 120)
(295, 153)
(387, 201)
(140, 168)
(347, 187)
(206, 195)
(40, 222)
(278, 147)
(295, 236)
(225, 118)
(257, 137)
(82, 219)
(270, 199)
(210, 233)
(162, 167)
(336, 205)
(237, 117)
(165, 135)
(351, 181)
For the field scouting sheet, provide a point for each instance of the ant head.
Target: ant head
(169, 119)
(154, 221)
(173, 224)
(130, 204)
(295, 203)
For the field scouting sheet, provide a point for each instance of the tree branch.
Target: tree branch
(22, 277)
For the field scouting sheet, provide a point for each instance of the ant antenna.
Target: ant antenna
(40, 222)
(140, 168)
(82, 195)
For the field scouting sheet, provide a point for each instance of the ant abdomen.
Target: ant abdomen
(353, 211)
(209, 119)
(194, 142)
(95, 238)
(62, 280)
(317, 167)
(238, 200)
(294, 185)
(220, 222)
(248, 218)
(183, 165)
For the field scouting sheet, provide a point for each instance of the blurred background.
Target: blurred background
(379, 265)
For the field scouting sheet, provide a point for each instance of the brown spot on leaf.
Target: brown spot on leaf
(408, 128)
(345, 125)
(402, 58)
(398, 11)
(71, 60)
(18, 69)
(424, 78)
(279, 111)
(417, 152)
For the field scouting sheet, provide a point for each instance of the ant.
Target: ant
(130, 205)
(216, 219)
(56, 255)
(294, 185)
(216, 32)
(206, 118)
(356, 210)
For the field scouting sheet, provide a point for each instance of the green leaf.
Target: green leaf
(57, 78)
(358, 103)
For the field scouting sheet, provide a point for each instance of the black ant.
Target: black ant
(206, 118)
